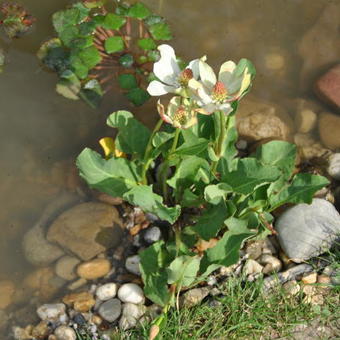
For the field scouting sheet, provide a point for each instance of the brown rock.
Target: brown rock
(328, 87)
(87, 229)
(41, 330)
(291, 287)
(258, 120)
(65, 267)
(105, 198)
(94, 269)
(309, 147)
(7, 290)
(81, 302)
(324, 281)
(329, 130)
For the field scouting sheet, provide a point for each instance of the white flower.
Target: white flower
(214, 94)
(172, 78)
(180, 113)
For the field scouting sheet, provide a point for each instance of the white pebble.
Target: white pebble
(65, 333)
(51, 311)
(106, 291)
(334, 166)
(152, 235)
(132, 264)
(130, 292)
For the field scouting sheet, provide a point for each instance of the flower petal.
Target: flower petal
(166, 69)
(210, 108)
(199, 93)
(156, 88)
(161, 111)
(193, 65)
(207, 75)
(226, 72)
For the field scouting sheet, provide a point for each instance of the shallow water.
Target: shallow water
(40, 130)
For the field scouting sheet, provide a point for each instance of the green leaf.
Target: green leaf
(138, 10)
(114, 176)
(92, 93)
(68, 34)
(146, 44)
(127, 81)
(237, 225)
(138, 96)
(160, 31)
(114, 44)
(183, 270)
(113, 21)
(249, 175)
(126, 60)
(301, 190)
(225, 252)
(82, 42)
(133, 136)
(161, 137)
(153, 260)
(211, 221)
(192, 147)
(89, 56)
(278, 153)
(69, 85)
(214, 193)
(153, 19)
(79, 68)
(69, 17)
(148, 201)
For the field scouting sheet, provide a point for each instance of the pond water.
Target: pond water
(41, 132)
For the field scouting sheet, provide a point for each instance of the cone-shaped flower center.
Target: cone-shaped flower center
(180, 116)
(219, 92)
(185, 76)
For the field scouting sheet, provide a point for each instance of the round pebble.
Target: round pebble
(110, 310)
(252, 267)
(132, 264)
(152, 235)
(94, 269)
(133, 310)
(334, 166)
(106, 291)
(271, 264)
(65, 333)
(130, 292)
(65, 267)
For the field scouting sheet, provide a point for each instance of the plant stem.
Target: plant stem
(148, 149)
(221, 138)
(167, 165)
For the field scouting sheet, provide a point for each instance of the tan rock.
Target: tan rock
(258, 120)
(292, 287)
(308, 290)
(105, 198)
(254, 249)
(252, 267)
(309, 278)
(7, 290)
(271, 264)
(87, 229)
(94, 269)
(81, 302)
(324, 281)
(305, 120)
(309, 147)
(329, 130)
(77, 284)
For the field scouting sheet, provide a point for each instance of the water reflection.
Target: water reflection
(42, 132)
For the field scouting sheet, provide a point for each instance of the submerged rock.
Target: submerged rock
(329, 130)
(258, 120)
(65, 267)
(37, 249)
(87, 229)
(52, 312)
(305, 231)
(7, 290)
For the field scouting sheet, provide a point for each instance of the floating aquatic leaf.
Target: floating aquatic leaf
(114, 44)
(127, 81)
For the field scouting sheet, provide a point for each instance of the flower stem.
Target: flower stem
(221, 138)
(148, 149)
(167, 165)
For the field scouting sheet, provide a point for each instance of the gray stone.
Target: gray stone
(271, 264)
(51, 311)
(152, 235)
(132, 264)
(193, 297)
(334, 166)
(110, 310)
(252, 267)
(131, 314)
(305, 231)
(65, 333)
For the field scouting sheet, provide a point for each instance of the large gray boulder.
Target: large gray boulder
(305, 231)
